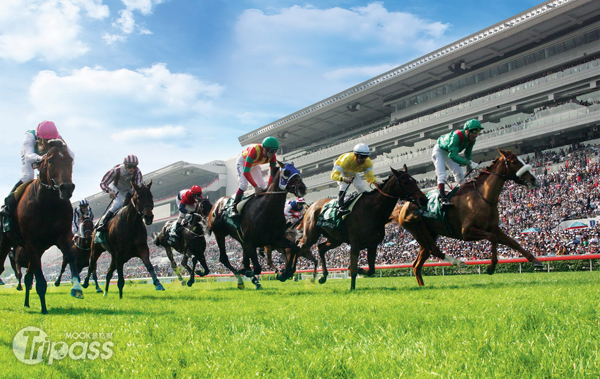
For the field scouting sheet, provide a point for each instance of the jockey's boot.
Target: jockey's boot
(444, 201)
(10, 202)
(104, 221)
(342, 210)
(236, 201)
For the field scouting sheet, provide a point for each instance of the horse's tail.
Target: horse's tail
(156, 239)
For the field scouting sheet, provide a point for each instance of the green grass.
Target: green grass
(541, 325)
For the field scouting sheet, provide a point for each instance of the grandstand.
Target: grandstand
(532, 81)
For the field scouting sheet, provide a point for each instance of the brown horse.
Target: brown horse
(262, 224)
(364, 227)
(43, 219)
(126, 237)
(474, 215)
(191, 243)
(82, 248)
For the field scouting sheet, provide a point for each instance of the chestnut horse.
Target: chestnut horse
(126, 237)
(43, 218)
(364, 227)
(191, 243)
(262, 224)
(81, 247)
(474, 215)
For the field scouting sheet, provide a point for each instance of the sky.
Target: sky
(172, 80)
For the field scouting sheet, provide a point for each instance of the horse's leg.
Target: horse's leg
(109, 273)
(69, 256)
(95, 277)
(193, 272)
(62, 271)
(120, 278)
(184, 263)
(17, 271)
(418, 265)
(324, 247)
(176, 269)
(145, 256)
(371, 257)
(269, 254)
(224, 259)
(95, 251)
(508, 241)
(492, 267)
(250, 250)
(40, 287)
(354, 255)
(28, 283)
(199, 255)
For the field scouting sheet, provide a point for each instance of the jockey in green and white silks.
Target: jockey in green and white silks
(446, 154)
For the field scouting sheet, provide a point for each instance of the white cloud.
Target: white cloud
(156, 134)
(48, 30)
(126, 23)
(127, 98)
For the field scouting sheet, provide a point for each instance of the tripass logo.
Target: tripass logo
(32, 346)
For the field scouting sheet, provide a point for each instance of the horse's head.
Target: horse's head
(290, 180)
(143, 202)
(56, 169)
(516, 169)
(407, 188)
(87, 227)
(203, 207)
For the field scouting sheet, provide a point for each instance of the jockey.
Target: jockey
(81, 213)
(346, 168)
(445, 153)
(294, 210)
(186, 202)
(248, 168)
(31, 157)
(118, 183)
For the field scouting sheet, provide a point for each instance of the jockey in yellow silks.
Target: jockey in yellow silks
(346, 168)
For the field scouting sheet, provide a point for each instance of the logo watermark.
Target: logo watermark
(31, 346)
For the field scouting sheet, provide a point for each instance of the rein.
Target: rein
(396, 197)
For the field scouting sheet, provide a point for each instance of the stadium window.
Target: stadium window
(549, 52)
(520, 62)
(570, 44)
(471, 80)
(580, 41)
(503, 68)
(494, 71)
(559, 48)
(462, 83)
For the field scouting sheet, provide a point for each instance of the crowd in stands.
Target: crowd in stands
(568, 190)
(466, 100)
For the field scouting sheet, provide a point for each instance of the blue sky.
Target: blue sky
(172, 80)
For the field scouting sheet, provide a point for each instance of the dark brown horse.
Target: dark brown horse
(191, 243)
(126, 237)
(262, 224)
(43, 219)
(82, 248)
(474, 215)
(364, 227)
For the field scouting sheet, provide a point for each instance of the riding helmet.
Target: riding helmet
(83, 203)
(131, 159)
(270, 143)
(196, 190)
(472, 125)
(361, 149)
(47, 130)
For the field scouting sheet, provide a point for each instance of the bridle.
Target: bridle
(404, 196)
(134, 199)
(44, 167)
(516, 177)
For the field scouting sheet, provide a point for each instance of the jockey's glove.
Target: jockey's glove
(473, 165)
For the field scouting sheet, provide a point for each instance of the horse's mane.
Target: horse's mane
(374, 190)
(471, 184)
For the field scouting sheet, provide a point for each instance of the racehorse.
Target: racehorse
(126, 237)
(43, 219)
(474, 215)
(81, 247)
(364, 227)
(262, 223)
(191, 243)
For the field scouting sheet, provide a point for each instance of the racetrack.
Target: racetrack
(501, 326)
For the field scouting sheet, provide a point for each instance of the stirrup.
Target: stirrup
(445, 203)
(343, 211)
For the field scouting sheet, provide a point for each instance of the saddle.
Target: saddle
(434, 209)
(330, 217)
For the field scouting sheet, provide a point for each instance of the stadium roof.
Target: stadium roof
(366, 103)
(167, 181)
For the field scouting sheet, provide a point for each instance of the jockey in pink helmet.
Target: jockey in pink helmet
(31, 155)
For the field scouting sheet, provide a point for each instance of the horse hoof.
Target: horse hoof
(322, 280)
(259, 287)
(44, 311)
(105, 294)
(281, 277)
(183, 282)
(190, 283)
(85, 284)
(57, 284)
(19, 288)
(1, 282)
(491, 270)
(159, 287)
(77, 293)
(240, 286)
(98, 290)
